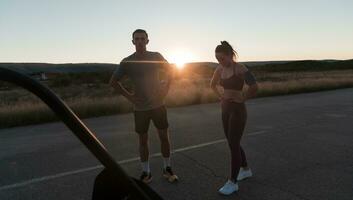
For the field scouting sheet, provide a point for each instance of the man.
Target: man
(143, 68)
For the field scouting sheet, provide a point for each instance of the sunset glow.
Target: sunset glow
(180, 57)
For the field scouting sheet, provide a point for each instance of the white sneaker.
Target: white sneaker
(228, 188)
(243, 174)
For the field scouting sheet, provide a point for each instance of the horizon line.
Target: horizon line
(175, 63)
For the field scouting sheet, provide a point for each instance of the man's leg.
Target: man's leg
(165, 142)
(144, 151)
(160, 121)
(165, 149)
(165, 146)
(142, 121)
(159, 118)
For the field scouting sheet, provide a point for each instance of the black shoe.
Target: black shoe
(146, 177)
(169, 175)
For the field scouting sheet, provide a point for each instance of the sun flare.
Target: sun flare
(180, 57)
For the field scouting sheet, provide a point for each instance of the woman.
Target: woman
(232, 75)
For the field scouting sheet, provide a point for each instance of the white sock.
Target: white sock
(166, 162)
(146, 166)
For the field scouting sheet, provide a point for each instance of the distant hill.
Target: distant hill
(30, 68)
(306, 65)
(205, 69)
(195, 67)
(257, 63)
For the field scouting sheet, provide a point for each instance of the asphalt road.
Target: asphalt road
(298, 146)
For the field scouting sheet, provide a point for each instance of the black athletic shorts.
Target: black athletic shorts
(143, 118)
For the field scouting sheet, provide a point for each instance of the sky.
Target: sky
(86, 31)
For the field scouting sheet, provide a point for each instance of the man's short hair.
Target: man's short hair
(139, 31)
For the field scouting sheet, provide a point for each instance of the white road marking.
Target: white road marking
(59, 175)
(333, 115)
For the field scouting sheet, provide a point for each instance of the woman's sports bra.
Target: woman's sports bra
(232, 83)
(236, 82)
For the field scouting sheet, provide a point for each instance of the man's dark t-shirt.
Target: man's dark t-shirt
(144, 71)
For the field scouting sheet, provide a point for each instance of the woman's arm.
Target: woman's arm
(251, 92)
(250, 80)
(215, 81)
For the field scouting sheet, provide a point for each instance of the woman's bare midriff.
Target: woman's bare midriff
(234, 95)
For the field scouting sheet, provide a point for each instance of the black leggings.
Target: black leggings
(234, 119)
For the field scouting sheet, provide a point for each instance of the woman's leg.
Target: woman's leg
(244, 163)
(236, 127)
(225, 118)
(226, 112)
(234, 120)
(244, 116)
(234, 143)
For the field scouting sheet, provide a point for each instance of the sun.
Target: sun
(180, 57)
(180, 63)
